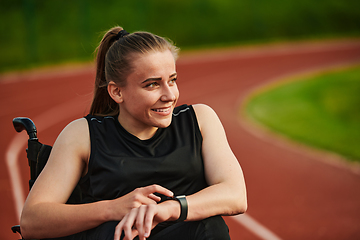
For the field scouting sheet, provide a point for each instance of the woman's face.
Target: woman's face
(150, 94)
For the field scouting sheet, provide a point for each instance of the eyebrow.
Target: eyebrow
(159, 78)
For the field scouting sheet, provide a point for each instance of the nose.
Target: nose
(169, 93)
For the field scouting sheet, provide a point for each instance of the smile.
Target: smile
(161, 110)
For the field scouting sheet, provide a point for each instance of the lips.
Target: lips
(161, 110)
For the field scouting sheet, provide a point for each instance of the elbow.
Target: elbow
(243, 204)
(239, 204)
(25, 233)
(236, 201)
(25, 228)
(28, 231)
(241, 199)
(240, 207)
(243, 207)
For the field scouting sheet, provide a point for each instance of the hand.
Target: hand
(140, 221)
(137, 198)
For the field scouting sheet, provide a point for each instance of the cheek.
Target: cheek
(146, 100)
(176, 91)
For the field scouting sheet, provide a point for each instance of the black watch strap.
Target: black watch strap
(184, 207)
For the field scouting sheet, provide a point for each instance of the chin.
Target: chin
(163, 124)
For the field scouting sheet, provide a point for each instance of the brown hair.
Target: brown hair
(113, 63)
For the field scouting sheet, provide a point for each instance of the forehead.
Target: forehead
(157, 62)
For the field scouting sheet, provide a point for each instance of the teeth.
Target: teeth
(161, 110)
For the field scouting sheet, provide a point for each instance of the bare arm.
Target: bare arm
(226, 194)
(45, 214)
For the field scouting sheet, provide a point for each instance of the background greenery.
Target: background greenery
(322, 111)
(38, 32)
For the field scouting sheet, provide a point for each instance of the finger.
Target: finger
(154, 198)
(149, 219)
(117, 234)
(146, 200)
(157, 189)
(140, 221)
(129, 223)
(119, 228)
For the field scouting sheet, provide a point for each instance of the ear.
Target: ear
(115, 92)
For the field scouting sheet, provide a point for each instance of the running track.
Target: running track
(292, 193)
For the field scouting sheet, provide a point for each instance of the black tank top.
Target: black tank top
(120, 162)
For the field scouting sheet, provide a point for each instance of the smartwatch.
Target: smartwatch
(184, 207)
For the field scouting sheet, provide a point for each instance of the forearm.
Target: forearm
(42, 219)
(217, 199)
(48, 220)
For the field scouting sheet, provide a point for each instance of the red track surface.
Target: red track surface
(291, 193)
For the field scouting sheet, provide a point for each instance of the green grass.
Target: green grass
(322, 111)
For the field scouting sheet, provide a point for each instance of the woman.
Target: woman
(135, 154)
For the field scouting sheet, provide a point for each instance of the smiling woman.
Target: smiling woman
(146, 167)
(149, 96)
(115, 61)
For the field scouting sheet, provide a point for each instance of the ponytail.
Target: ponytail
(114, 57)
(102, 103)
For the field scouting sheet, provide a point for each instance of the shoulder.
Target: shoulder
(74, 136)
(201, 109)
(205, 115)
(76, 127)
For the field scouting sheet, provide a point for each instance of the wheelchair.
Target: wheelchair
(37, 155)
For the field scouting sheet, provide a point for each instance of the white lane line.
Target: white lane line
(18, 144)
(255, 227)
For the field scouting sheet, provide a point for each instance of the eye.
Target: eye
(151, 85)
(173, 81)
